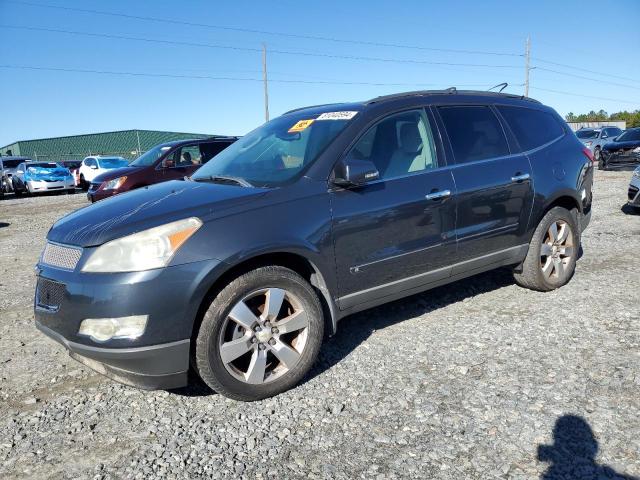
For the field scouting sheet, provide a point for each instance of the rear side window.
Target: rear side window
(532, 128)
(474, 132)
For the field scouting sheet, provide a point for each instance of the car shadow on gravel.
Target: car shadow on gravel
(4, 224)
(573, 453)
(629, 210)
(356, 328)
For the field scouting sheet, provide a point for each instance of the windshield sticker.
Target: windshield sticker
(300, 126)
(337, 116)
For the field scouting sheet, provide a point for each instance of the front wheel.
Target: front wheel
(260, 335)
(553, 251)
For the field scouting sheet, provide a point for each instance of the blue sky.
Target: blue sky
(43, 103)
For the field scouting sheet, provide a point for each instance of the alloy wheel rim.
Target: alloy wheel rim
(263, 336)
(557, 251)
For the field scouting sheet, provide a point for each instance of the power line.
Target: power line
(212, 77)
(586, 96)
(586, 78)
(541, 60)
(250, 49)
(264, 32)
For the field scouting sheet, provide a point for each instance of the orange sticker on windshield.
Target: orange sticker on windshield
(300, 126)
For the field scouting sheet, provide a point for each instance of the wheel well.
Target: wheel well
(294, 262)
(566, 201)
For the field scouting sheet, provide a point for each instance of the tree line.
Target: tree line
(632, 118)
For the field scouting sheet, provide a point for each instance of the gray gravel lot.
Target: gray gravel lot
(480, 379)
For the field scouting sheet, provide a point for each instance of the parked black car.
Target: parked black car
(317, 214)
(624, 151)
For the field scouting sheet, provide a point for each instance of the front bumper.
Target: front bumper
(46, 186)
(621, 158)
(150, 368)
(633, 195)
(171, 297)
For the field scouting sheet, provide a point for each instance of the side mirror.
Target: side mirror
(352, 172)
(168, 163)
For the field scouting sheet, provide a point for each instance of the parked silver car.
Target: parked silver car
(8, 166)
(36, 177)
(595, 138)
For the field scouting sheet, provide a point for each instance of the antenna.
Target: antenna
(503, 85)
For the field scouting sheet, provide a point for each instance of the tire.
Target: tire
(83, 183)
(547, 272)
(597, 154)
(298, 345)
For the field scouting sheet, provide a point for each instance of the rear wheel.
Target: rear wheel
(83, 183)
(260, 335)
(553, 251)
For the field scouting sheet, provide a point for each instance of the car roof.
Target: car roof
(459, 94)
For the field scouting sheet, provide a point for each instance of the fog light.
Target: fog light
(103, 329)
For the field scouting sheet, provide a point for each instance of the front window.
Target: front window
(586, 134)
(278, 150)
(109, 163)
(629, 136)
(150, 156)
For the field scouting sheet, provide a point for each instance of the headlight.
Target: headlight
(103, 329)
(153, 248)
(113, 184)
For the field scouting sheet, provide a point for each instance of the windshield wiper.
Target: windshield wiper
(224, 179)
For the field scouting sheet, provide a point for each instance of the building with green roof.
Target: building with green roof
(124, 143)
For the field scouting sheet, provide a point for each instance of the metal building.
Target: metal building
(125, 143)
(610, 123)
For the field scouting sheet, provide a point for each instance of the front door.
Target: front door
(390, 232)
(495, 189)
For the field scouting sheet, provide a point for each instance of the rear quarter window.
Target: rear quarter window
(532, 128)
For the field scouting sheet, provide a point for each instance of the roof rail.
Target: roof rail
(448, 91)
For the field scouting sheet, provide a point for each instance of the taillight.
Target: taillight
(588, 153)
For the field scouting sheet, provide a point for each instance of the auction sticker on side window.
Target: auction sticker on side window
(300, 126)
(337, 115)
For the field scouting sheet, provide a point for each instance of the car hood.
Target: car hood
(115, 173)
(148, 207)
(621, 145)
(46, 174)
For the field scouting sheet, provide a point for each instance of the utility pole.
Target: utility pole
(265, 82)
(527, 55)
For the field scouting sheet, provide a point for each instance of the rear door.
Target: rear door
(395, 233)
(494, 186)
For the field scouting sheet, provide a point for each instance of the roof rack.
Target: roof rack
(448, 91)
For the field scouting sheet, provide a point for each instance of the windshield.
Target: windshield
(150, 156)
(11, 163)
(587, 133)
(115, 162)
(629, 136)
(278, 150)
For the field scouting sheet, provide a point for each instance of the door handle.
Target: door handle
(520, 177)
(438, 195)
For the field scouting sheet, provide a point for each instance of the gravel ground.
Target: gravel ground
(480, 379)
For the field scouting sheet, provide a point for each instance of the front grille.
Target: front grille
(633, 191)
(61, 257)
(49, 294)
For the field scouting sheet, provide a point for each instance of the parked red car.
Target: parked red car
(167, 161)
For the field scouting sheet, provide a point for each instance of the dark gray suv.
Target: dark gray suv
(238, 272)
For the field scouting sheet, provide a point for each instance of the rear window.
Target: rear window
(585, 134)
(532, 128)
(475, 133)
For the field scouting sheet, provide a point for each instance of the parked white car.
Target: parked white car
(634, 189)
(95, 165)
